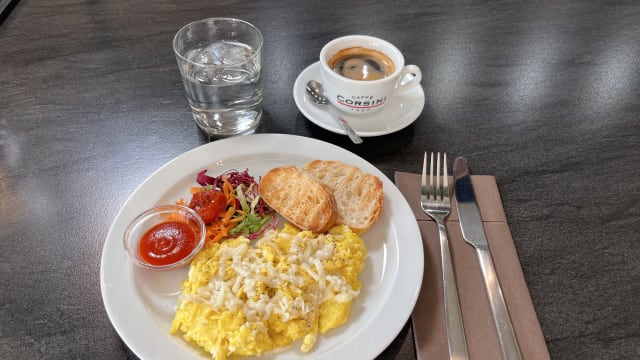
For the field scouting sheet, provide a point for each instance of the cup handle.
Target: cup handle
(414, 75)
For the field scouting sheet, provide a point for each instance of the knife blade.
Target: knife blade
(473, 234)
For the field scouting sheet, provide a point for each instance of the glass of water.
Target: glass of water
(220, 60)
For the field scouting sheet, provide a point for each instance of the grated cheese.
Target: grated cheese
(253, 271)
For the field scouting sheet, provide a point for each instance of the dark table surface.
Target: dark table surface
(544, 95)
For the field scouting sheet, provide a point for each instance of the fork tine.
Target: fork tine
(424, 171)
(445, 179)
(438, 188)
(431, 189)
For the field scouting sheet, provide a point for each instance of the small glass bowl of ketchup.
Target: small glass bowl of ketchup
(165, 237)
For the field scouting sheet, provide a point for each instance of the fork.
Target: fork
(435, 202)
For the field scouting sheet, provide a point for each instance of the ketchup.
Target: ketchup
(167, 243)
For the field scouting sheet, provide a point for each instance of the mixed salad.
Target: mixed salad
(231, 206)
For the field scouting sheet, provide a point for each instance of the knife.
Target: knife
(473, 233)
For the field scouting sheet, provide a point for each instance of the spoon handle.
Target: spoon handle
(345, 125)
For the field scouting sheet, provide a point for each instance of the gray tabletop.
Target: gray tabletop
(544, 95)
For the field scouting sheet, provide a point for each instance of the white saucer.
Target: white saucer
(400, 112)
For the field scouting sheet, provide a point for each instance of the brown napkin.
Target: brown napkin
(428, 318)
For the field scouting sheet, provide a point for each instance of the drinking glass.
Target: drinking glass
(220, 61)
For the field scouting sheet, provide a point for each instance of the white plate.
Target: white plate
(142, 303)
(401, 111)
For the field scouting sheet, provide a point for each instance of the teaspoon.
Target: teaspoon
(316, 93)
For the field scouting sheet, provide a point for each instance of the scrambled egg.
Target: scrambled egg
(242, 299)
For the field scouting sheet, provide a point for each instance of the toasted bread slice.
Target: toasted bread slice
(359, 195)
(299, 198)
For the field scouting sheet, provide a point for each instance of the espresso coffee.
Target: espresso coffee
(359, 63)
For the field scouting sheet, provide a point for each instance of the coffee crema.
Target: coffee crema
(359, 63)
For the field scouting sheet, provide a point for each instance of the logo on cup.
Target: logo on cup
(361, 103)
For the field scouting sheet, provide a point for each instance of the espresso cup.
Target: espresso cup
(360, 73)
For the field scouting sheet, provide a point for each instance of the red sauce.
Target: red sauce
(167, 243)
(208, 204)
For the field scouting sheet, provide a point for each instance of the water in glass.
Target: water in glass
(224, 87)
